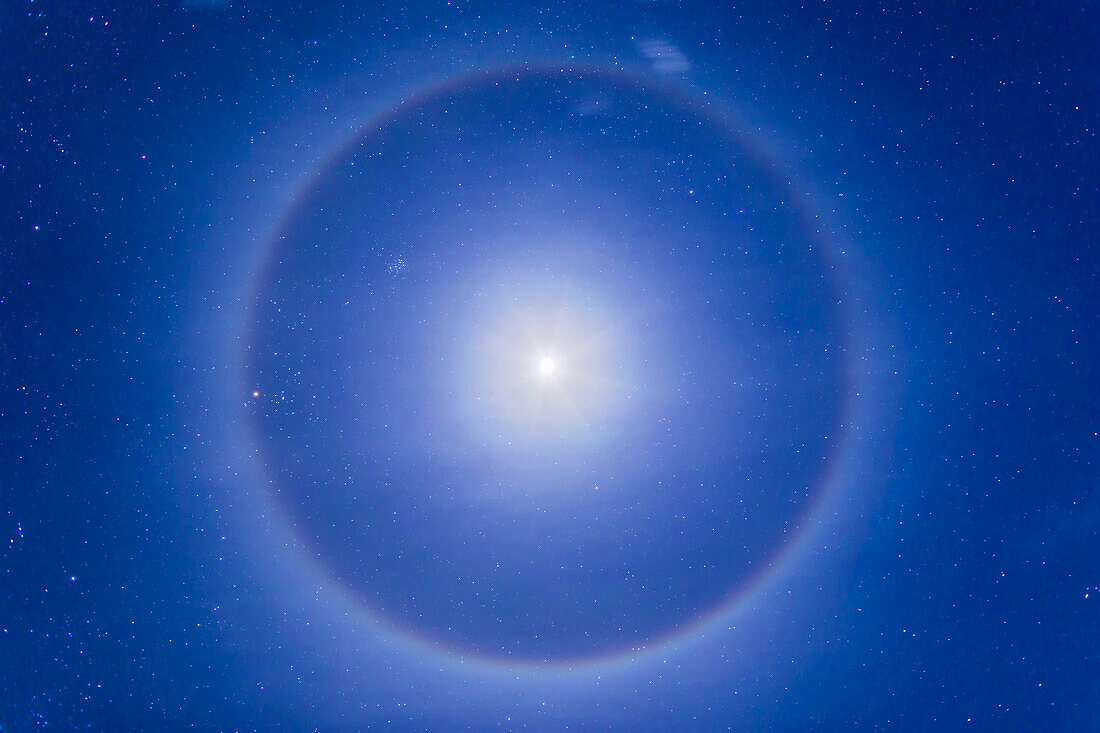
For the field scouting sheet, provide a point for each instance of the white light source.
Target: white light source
(540, 365)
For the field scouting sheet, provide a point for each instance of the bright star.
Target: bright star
(546, 366)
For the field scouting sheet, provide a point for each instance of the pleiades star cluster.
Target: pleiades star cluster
(630, 366)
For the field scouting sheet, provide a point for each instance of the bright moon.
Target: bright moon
(546, 366)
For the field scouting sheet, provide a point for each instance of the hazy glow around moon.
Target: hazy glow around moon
(545, 359)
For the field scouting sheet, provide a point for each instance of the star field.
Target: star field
(646, 366)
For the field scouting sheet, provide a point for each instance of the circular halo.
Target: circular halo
(547, 366)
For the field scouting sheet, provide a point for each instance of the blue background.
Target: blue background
(170, 557)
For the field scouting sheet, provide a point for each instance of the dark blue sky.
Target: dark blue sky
(820, 449)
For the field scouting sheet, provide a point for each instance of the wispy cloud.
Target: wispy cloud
(663, 55)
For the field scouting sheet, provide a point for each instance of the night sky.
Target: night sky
(629, 365)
